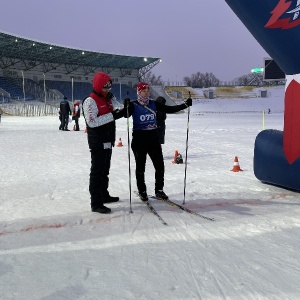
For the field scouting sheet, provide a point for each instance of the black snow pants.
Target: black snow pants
(147, 142)
(100, 165)
(64, 122)
(76, 123)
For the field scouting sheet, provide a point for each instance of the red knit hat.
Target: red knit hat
(142, 86)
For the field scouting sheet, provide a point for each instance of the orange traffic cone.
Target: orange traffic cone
(175, 155)
(120, 143)
(236, 165)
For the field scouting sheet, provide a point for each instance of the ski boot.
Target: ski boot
(160, 195)
(143, 196)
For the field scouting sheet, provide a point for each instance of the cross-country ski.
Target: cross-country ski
(172, 203)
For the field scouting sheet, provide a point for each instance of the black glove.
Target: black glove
(188, 102)
(109, 96)
(117, 114)
(126, 103)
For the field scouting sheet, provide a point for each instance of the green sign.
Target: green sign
(257, 70)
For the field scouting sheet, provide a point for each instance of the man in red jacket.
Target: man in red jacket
(100, 117)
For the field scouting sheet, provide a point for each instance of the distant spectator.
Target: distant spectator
(65, 112)
(76, 114)
(161, 117)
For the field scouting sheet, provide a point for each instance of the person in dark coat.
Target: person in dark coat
(161, 120)
(145, 138)
(100, 116)
(76, 114)
(65, 113)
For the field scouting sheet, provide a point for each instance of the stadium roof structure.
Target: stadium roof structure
(14, 49)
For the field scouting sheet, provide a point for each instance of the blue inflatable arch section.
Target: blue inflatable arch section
(275, 24)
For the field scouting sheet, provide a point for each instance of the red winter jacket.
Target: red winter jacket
(97, 113)
(76, 110)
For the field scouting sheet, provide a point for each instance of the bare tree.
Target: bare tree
(151, 79)
(200, 80)
(250, 79)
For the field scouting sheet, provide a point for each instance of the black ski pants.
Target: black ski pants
(76, 123)
(143, 143)
(100, 165)
(64, 122)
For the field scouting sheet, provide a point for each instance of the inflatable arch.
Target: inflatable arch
(275, 24)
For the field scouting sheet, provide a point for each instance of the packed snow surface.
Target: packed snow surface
(53, 247)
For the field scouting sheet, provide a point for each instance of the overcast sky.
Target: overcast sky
(189, 36)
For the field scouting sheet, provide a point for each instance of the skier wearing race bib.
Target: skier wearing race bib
(145, 137)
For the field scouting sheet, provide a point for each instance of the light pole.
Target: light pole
(45, 91)
(23, 85)
(72, 90)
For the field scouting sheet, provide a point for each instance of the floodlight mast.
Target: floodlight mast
(72, 90)
(45, 91)
(23, 85)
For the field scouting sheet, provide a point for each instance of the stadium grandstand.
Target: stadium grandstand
(38, 71)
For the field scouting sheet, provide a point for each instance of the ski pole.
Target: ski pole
(128, 142)
(186, 149)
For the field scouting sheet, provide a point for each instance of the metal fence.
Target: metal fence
(28, 110)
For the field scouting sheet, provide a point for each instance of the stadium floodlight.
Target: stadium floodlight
(145, 59)
(257, 70)
(82, 52)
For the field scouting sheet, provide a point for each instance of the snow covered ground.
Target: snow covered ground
(53, 247)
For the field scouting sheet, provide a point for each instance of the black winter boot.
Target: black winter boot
(111, 199)
(102, 210)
